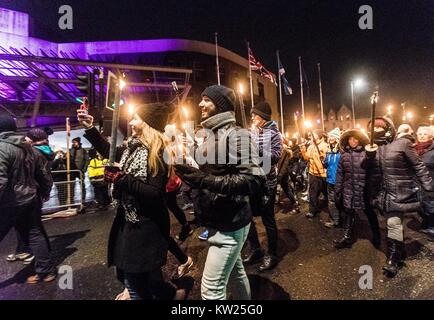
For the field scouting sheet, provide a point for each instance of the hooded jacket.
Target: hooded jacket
(403, 174)
(23, 174)
(269, 143)
(331, 163)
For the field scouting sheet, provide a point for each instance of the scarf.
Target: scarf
(134, 161)
(422, 147)
(219, 120)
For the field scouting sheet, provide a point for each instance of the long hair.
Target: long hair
(157, 143)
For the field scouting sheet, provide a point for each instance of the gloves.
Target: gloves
(192, 176)
(112, 174)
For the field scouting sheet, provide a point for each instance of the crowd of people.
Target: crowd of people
(338, 172)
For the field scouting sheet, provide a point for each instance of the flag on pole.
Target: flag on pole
(286, 86)
(255, 65)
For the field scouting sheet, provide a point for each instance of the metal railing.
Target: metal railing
(66, 192)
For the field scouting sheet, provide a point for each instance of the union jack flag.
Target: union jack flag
(255, 65)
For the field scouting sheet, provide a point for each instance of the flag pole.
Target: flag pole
(250, 75)
(302, 98)
(280, 91)
(217, 58)
(320, 96)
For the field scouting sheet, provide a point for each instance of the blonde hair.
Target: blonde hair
(156, 142)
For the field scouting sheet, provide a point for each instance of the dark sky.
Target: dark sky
(397, 55)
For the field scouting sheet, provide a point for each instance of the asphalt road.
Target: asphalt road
(309, 268)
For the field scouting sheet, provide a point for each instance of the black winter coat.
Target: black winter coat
(140, 246)
(225, 195)
(403, 173)
(428, 197)
(351, 178)
(23, 173)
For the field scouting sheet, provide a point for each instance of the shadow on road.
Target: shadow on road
(265, 289)
(59, 253)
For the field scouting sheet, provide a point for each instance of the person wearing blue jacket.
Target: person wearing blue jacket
(331, 162)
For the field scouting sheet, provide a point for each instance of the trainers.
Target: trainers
(124, 295)
(18, 257)
(310, 215)
(185, 232)
(41, 278)
(331, 224)
(183, 269)
(187, 206)
(204, 235)
(29, 259)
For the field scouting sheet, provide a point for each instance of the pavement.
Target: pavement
(309, 268)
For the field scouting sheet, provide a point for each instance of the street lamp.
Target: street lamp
(357, 83)
(409, 116)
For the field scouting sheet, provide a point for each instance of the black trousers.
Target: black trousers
(147, 285)
(27, 222)
(100, 189)
(284, 183)
(317, 185)
(172, 204)
(269, 222)
(176, 250)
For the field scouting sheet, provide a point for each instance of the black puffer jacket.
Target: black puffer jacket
(351, 178)
(403, 174)
(428, 197)
(22, 172)
(224, 196)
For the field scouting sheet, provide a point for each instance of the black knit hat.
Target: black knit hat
(78, 139)
(263, 110)
(156, 114)
(37, 134)
(223, 97)
(7, 123)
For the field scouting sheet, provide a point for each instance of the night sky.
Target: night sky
(397, 55)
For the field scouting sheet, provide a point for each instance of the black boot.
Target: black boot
(394, 248)
(253, 256)
(348, 239)
(269, 262)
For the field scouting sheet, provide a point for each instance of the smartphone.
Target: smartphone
(85, 105)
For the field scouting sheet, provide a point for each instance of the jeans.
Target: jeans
(27, 221)
(224, 262)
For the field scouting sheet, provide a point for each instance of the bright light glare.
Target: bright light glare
(131, 109)
(122, 84)
(359, 82)
(308, 124)
(241, 88)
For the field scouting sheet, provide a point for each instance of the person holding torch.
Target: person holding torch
(315, 155)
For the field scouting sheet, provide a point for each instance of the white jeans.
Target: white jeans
(224, 262)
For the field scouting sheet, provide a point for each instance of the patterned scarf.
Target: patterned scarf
(134, 161)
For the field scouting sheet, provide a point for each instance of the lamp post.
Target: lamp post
(357, 83)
